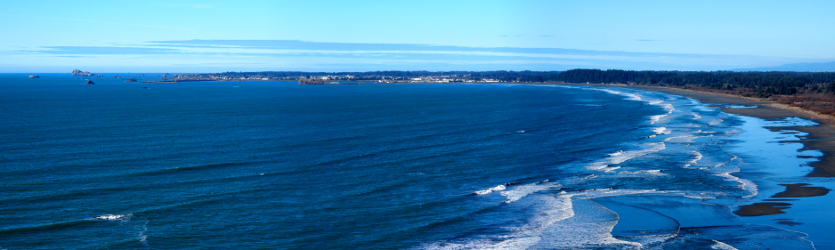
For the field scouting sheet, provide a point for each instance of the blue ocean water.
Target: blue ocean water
(277, 165)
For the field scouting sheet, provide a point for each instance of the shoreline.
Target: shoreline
(820, 137)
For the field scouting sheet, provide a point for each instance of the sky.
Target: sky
(328, 36)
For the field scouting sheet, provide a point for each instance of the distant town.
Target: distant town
(343, 78)
(808, 90)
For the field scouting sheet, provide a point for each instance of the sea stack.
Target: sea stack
(89, 82)
(34, 76)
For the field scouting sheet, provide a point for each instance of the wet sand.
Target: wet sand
(801, 190)
(762, 208)
(820, 137)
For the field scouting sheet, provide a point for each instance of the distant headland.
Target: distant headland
(808, 90)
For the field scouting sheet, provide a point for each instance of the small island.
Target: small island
(130, 80)
(77, 72)
(34, 76)
(89, 82)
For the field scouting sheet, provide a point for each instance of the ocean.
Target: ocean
(277, 165)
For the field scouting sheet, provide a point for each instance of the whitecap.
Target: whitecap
(625, 156)
(490, 190)
(655, 118)
(113, 217)
(721, 245)
(654, 172)
(661, 130)
(518, 192)
(694, 160)
(683, 138)
(744, 184)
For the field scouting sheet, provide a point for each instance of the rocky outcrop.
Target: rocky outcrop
(77, 72)
(308, 81)
(130, 80)
(34, 76)
(89, 82)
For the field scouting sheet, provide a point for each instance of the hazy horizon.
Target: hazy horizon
(217, 36)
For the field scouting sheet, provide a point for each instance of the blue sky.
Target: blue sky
(217, 36)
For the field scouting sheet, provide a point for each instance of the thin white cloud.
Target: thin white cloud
(284, 55)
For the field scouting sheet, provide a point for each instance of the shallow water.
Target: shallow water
(279, 165)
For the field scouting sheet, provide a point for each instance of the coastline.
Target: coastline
(790, 197)
(820, 137)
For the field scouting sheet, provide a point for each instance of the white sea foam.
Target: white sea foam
(113, 217)
(694, 160)
(696, 116)
(790, 122)
(715, 122)
(643, 173)
(655, 118)
(624, 156)
(702, 195)
(744, 184)
(608, 192)
(682, 138)
(560, 225)
(517, 192)
(490, 190)
(616, 153)
(473, 244)
(591, 226)
(722, 246)
(629, 96)
(661, 130)
(669, 107)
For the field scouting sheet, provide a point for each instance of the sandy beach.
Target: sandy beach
(820, 137)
